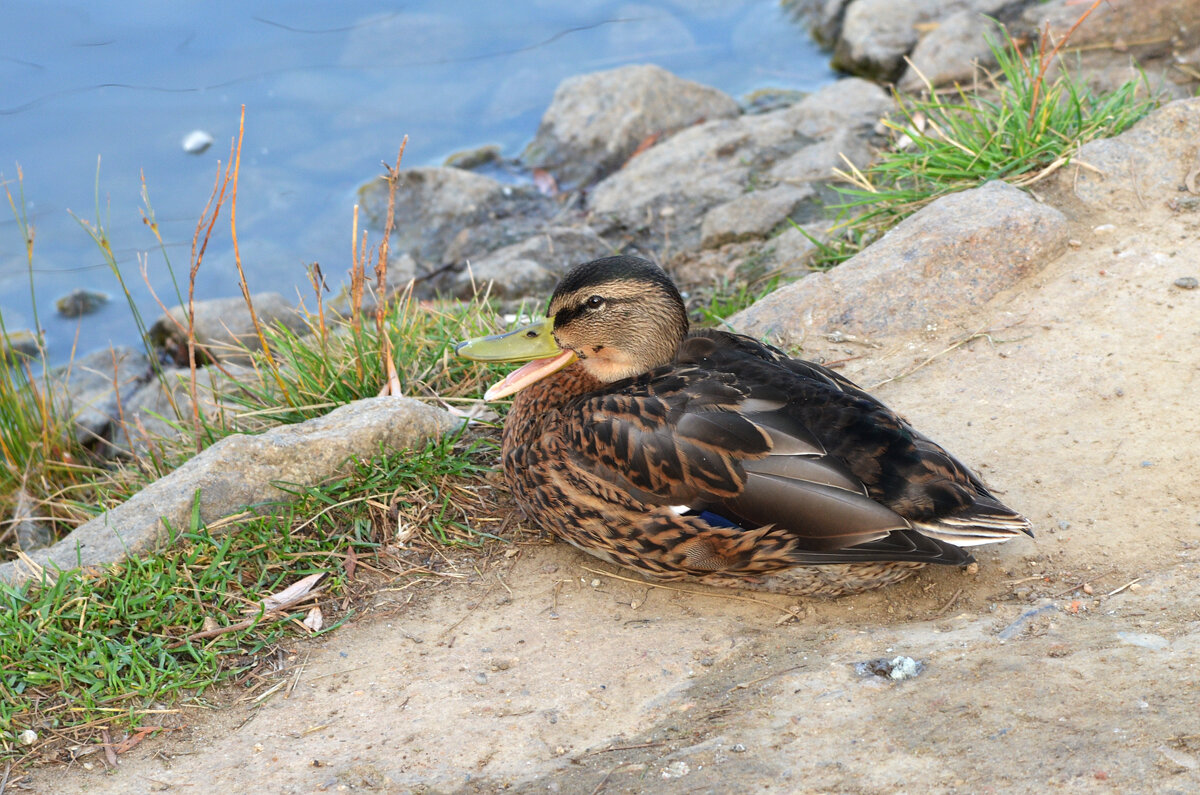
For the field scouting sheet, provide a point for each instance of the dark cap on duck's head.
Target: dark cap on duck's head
(621, 315)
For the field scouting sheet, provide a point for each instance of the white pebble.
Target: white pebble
(197, 141)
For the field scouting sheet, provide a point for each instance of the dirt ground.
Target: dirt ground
(545, 674)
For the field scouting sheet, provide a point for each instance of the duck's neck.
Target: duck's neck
(534, 404)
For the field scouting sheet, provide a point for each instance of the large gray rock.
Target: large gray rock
(240, 472)
(660, 197)
(596, 121)
(877, 34)
(224, 327)
(1149, 162)
(532, 267)
(932, 268)
(434, 205)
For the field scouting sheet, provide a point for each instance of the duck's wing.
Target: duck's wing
(899, 466)
(725, 451)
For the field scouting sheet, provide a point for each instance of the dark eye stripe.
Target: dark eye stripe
(566, 315)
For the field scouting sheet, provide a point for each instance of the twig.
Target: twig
(607, 775)
(622, 748)
(789, 611)
(987, 335)
(1123, 587)
(1080, 584)
(949, 604)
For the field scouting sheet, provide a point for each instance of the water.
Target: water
(330, 89)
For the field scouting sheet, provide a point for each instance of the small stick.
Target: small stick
(1123, 587)
(949, 604)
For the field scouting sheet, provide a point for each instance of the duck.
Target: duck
(709, 456)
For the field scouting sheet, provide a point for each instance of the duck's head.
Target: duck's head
(619, 316)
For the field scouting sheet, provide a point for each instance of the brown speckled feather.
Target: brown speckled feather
(735, 464)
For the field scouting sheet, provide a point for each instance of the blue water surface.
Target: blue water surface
(96, 96)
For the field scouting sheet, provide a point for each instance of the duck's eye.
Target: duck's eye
(595, 302)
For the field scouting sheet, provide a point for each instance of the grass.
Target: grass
(1018, 124)
(128, 648)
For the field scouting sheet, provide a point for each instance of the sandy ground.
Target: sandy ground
(1079, 407)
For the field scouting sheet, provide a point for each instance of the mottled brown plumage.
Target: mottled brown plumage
(710, 455)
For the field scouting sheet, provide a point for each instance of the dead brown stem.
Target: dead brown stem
(237, 261)
(1045, 59)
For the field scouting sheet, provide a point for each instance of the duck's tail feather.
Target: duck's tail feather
(987, 521)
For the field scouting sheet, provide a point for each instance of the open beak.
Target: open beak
(532, 342)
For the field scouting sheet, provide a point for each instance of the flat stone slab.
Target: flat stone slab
(237, 473)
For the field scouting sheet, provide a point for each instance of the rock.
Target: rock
(896, 668)
(596, 121)
(469, 159)
(1146, 28)
(1149, 162)
(764, 100)
(877, 34)
(659, 198)
(950, 52)
(794, 252)
(241, 471)
(80, 302)
(21, 342)
(825, 23)
(817, 161)
(224, 328)
(532, 267)
(154, 410)
(90, 388)
(932, 268)
(849, 104)
(752, 215)
(433, 205)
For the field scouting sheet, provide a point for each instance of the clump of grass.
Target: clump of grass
(124, 649)
(1018, 125)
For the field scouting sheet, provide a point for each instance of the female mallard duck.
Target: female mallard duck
(713, 456)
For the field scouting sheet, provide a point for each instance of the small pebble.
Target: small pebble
(677, 769)
(481, 678)
(1104, 229)
(1187, 282)
(896, 669)
(738, 749)
(27, 737)
(195, 142)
